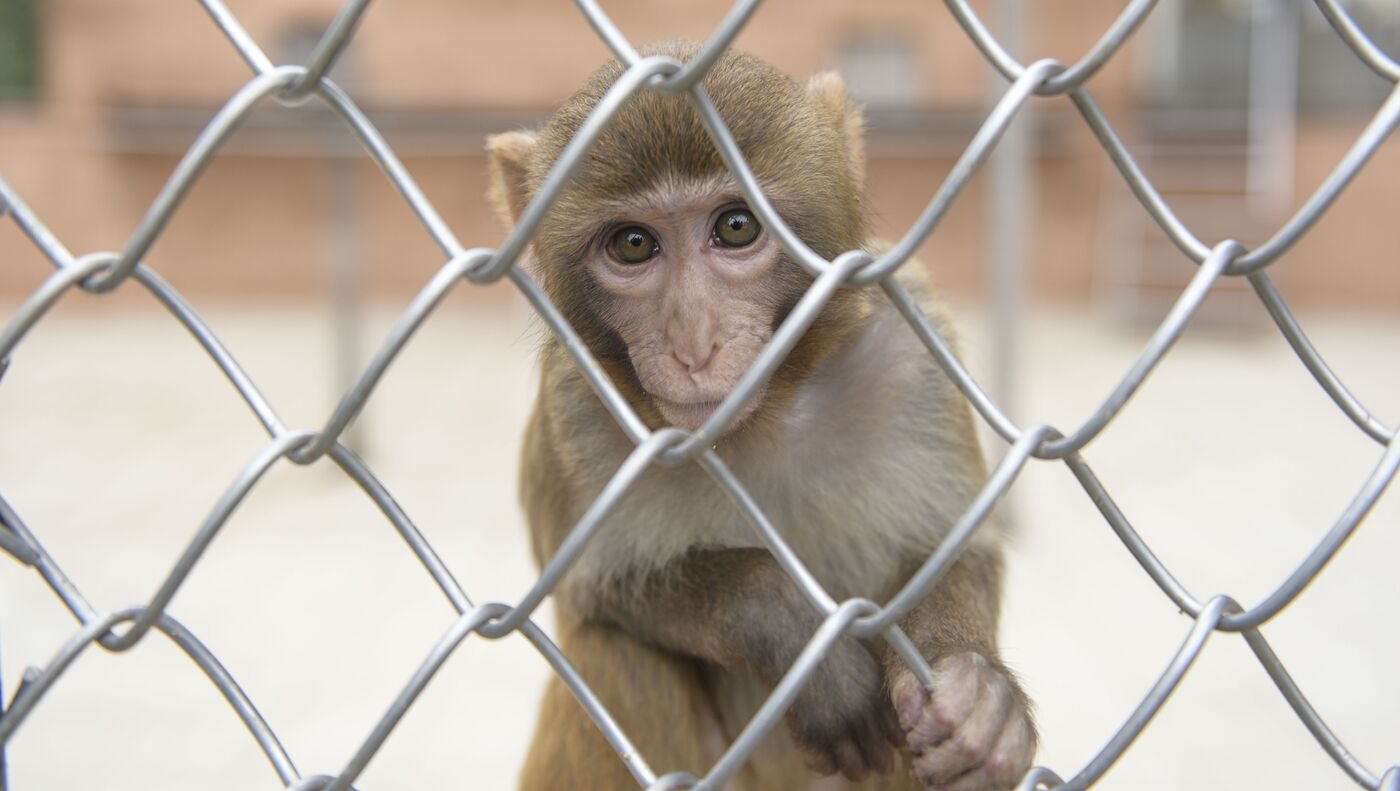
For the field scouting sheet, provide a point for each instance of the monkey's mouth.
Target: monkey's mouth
(688, 415)
(691, 415)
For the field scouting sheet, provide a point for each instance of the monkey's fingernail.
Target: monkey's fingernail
(907, 719)
(908, 708)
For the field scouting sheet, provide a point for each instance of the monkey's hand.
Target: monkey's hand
(841, 720)
(974, 733)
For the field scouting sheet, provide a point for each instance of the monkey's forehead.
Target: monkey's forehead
(769, 115)
(795, 143)
(674, 194)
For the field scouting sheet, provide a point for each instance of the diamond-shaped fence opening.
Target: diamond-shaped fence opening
(104, 271)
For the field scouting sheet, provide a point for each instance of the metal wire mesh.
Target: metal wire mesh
(101, 272)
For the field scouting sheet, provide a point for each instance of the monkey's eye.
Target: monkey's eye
(736, 228)
(634, 245)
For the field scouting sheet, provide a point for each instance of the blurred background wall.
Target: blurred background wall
(117, 436)
(98, 99)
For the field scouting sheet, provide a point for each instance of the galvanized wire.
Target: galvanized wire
(104, 271)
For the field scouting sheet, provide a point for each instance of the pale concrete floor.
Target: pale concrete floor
(118, 436)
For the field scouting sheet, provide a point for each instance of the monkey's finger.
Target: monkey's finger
(979, 779)
(874, 745)
(909, 698)
(823, 762)
(975, 779)
(944, 712)
(1006, 763)
(974, 739)
(873, 740)
(848, 755)
(890, 727)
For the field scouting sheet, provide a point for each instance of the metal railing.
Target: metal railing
(101, 272)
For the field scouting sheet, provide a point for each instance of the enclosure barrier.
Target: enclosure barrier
(102, 272)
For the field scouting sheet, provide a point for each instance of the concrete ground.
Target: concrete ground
(119, 436)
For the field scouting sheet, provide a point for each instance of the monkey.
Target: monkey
(859, 449)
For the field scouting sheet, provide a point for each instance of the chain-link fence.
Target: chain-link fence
(103, 272)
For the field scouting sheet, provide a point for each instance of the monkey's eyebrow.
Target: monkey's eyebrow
(587, 242)
(672, 192)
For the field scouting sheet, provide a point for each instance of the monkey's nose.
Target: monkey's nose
(695, 358)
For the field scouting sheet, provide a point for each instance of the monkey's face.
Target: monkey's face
(688, 274)
(649, 250)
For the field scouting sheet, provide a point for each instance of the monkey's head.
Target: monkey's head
(651, 251)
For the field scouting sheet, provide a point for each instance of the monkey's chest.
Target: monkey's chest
(849, 516)
(868, 466)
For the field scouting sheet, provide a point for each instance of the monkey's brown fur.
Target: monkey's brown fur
(797, 149)
(682, 657)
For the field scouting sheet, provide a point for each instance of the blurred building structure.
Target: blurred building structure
(1231, 462)
(100, 98)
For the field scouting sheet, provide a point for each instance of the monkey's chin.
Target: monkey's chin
(689, 416)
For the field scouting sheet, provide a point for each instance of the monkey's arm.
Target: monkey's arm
(737, 608)
(974, 731)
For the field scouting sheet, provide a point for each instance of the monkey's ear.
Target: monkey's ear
(830, 91)
(507, 156)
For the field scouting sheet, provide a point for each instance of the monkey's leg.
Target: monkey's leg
(656, 697)
(973, 731)
(738, 609)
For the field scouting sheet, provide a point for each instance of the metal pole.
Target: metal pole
(1273, 106)
(4, 773)
(345, 263)
(1010, 189)
(1010, 186)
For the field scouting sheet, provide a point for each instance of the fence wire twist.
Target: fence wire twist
(100, 272)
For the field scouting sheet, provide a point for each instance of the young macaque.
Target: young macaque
(859, 449)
